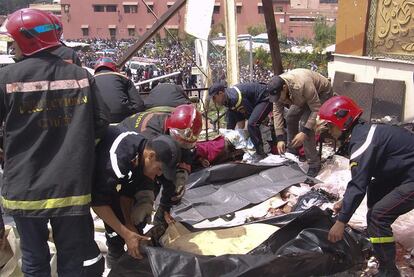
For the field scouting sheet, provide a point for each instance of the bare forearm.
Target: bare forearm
(126, 207)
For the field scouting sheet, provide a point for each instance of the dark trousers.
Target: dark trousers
(296, 118)
(77, 252)
(258, 114)
(385, 204)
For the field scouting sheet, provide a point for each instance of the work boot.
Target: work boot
(259, 155)
(112, 259)
(115, 251)
(390, 271)
(313, 171)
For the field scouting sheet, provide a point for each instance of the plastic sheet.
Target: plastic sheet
(214, 192)
(300, 248)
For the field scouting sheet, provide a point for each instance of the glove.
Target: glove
(142, 210)
(180, 181)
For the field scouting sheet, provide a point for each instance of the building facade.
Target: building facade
(120, 19)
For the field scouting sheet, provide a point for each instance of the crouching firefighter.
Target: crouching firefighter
(244, 101)
(382, 164)
(126, 167)
(183, 124)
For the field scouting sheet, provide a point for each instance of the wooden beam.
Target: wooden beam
(150, 32)
(272, 36)
(230, 20)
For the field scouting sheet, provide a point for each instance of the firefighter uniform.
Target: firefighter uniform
(248, 101)
(67, 54)
(382, 164)
(113, 167)
(151, 124)
(119, 94)
(52, 115)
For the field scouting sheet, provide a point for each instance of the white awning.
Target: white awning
(149, 27)
(171, 26)
(239, 4)
(260, 4)
(131, 26)
(84, 26)
(130, 3)
(217, 4)
(170, 3)
(111, 26)
(149, 3)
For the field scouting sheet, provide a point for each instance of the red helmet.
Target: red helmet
(58, 24)
(33, 30)
(340, 111)
(184, 125)
(107, 63)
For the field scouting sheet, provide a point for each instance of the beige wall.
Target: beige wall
(366, 69)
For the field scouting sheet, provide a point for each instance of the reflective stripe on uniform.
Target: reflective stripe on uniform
(382, 240)
(112, 154)
(366, 144)
(46, 85)
(92, 261)
(112, 235)
(353, 164)
(239, 100)
(52, 203)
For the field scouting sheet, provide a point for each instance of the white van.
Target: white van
(6, 60)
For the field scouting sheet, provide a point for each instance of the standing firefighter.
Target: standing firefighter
(67, 54)
(244, 101)
(52, 115)
(382, 165)
(303, 91)
(118, 92)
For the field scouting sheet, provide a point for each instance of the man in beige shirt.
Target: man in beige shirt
(303, 91)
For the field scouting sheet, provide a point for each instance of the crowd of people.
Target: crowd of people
(62, 157)
(171, 56)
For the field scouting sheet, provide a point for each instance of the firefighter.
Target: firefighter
(382, 165)
(52, 114)
(244, 101)
(128, 159)
(67, 54)
(183, 124)
(303, 91)
(118, 92)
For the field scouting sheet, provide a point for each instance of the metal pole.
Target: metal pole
(231, 42)
(251, 58)
(149, 33)
(272, 36)
(157, 78)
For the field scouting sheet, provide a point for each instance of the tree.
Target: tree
(256, 30)
(324, 34)
(216, 29)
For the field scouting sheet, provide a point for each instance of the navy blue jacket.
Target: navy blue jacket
(250, 95)
(113, 165)
(383, 152)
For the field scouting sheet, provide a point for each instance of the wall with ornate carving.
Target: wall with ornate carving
(391, 29)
